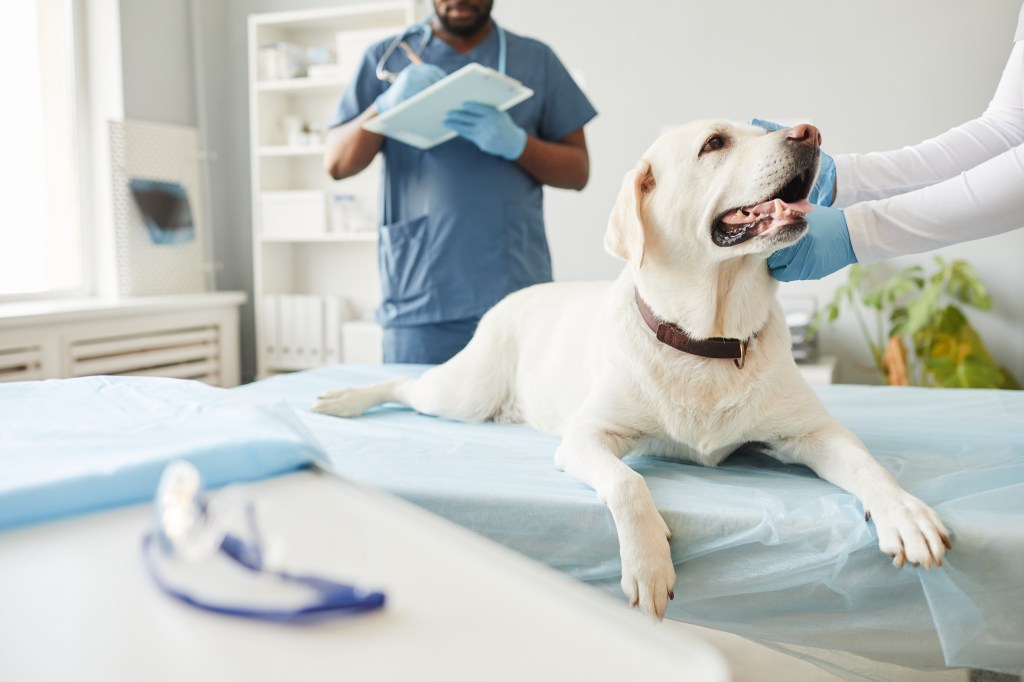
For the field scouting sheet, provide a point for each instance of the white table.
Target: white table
(77, 604)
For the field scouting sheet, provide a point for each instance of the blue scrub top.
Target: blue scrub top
(460, 228)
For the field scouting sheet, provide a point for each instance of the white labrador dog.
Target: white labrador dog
(685, 355)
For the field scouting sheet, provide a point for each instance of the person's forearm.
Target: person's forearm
(350, 149)
(982, 202)
(862, 177)
(564, 164)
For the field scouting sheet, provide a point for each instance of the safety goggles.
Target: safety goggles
(210, 555)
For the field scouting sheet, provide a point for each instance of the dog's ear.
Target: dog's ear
(625, 236)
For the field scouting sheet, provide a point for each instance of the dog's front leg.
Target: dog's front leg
(592, 454)
(908, 529)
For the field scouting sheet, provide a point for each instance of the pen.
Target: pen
(413, 57)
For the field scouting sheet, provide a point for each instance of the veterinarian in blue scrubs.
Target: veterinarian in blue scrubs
(462, 223)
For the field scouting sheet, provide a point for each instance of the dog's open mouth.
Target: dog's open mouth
(787, 208)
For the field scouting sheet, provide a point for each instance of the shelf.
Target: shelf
(347, 237)
(298, 254)
(302, 84)
(337, 18)
(295, 150)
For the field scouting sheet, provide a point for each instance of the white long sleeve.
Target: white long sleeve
(965, 184)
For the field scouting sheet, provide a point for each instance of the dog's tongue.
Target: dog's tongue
(776, 208)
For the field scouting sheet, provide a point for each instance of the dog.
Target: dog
(685, 355)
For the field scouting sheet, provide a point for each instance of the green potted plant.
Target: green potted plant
(920, 335)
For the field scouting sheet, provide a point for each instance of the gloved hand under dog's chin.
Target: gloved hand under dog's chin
(825, 249)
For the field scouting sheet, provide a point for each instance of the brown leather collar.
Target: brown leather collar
(671, 335)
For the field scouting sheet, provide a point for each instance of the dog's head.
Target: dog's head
(715, 190)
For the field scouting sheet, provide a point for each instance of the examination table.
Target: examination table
(764, 550)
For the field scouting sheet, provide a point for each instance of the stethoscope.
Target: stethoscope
(428, 35)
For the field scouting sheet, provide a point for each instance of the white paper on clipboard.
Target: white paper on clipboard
(419, 120)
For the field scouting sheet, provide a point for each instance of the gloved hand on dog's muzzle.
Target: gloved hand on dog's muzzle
(823, 192)
(825, 249)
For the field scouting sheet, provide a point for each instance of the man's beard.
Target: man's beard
(466, 30)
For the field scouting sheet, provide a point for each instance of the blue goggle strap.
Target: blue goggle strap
(334, 598)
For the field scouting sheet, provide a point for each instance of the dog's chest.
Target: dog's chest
(703, 415)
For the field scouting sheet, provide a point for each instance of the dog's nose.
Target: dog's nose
(804, 133)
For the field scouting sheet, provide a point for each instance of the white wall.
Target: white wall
(156, 44)
(871, 74)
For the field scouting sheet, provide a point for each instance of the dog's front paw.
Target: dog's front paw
(648, 575)
(345, 402)
(910, 531)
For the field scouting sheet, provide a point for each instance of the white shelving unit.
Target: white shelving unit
(325, 274)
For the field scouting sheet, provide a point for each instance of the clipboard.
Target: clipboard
(419, 120)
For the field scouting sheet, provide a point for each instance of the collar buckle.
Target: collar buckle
(674, 337)
(742, 359)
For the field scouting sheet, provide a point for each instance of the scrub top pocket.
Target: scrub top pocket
(526, 246)
(455, 264)
(406, 264)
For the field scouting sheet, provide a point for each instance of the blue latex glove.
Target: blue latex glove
(824, 189)
(491, 130)
(825, 248)
(413, 78)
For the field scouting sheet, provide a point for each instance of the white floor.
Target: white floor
(752, 662)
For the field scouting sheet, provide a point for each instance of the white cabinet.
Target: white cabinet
(314, 239)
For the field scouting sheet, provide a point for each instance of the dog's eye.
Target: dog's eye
(714, 143)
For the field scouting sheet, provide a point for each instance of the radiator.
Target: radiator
(188, 337)
(21, 362)
(190, 353)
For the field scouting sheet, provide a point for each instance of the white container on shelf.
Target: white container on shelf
(327, 72)
(337, 311)
(294, 213)
(298, 331)
(280, 61)
(271, 328)
(362, 342)
(319, 55)
(346, 214)
(292, 127)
